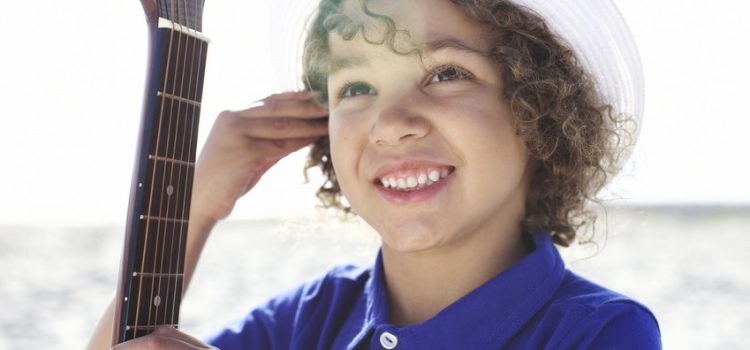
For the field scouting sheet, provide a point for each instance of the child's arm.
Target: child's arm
(240, 148)
(198, 232)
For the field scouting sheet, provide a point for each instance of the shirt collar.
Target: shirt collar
(488, 315)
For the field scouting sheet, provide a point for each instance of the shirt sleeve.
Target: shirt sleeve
(266, 327)
(616, 325)
(310, 314)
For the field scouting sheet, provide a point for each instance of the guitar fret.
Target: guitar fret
(155, 218)
(179, 99)
(151, 327)
(171, 160)
(157, 274)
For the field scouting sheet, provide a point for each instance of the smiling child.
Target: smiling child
(470, 135)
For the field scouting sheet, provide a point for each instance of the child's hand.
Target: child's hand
(243, 145)
(164, 338)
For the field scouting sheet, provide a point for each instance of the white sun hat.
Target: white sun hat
(604, 45)
(594, 29)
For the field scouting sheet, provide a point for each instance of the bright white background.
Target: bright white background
(71, 80)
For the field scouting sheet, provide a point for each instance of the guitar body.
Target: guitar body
(151, 276)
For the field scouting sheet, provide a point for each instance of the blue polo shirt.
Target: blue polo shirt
(534, 304)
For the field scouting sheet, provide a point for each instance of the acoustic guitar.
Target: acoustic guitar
(151, 276)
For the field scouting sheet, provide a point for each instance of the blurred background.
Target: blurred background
(71, 80)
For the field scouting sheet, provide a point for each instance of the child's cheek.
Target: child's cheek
(342, 140)
(337, 124)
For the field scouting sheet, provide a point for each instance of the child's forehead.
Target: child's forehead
(347, 54)
(367, 12)
(420, 24)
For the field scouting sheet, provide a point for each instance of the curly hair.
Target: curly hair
(573, 136)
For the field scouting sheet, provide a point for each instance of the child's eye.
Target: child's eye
(446, 73)
(356, 89)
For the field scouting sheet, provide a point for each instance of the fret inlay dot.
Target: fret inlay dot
(170, 190)
(157, 300)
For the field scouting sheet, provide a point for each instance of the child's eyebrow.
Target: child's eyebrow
(430, 47)
(450, 43)
(340, 63)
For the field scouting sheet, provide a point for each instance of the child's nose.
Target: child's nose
(399, 122)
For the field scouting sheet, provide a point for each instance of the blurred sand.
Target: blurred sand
(689, 265)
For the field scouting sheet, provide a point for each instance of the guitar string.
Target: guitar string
(147, 230)
(182, 180)
(193, 145)
(165, 231)
(162, 230)
(168, 105)
(193, 113)
(162, 218)
(169, 229)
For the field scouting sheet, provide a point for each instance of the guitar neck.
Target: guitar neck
(151, 275)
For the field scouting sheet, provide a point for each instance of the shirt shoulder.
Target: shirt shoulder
(590, 316)
(340, 278)
(299, 315)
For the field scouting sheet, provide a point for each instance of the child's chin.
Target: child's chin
(410, 241)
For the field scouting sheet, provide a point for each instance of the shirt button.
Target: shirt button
(388, 340)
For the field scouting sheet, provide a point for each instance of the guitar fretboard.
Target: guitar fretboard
(160, 202)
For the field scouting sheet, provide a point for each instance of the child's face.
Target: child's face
(401, 118)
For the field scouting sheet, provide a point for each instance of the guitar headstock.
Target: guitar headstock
(188, 13)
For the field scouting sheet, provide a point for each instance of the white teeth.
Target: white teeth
(415, 181)
(434, 175)
(411, 182)
(401, 183)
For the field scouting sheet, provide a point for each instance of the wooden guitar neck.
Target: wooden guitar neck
(151, 275)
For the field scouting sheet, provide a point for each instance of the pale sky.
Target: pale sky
(72, 74)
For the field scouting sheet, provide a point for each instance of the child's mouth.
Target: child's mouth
(413, 180)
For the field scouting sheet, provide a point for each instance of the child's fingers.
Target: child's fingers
(278, 149)
(182, 337)
(165, 340)
(274, 128)
(294, 108)
(284, 128)
(292, 95)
